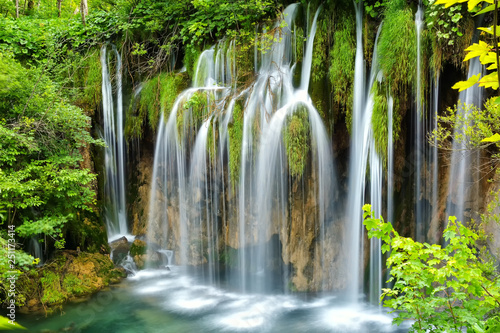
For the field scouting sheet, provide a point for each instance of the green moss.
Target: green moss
(235, 132)
(92, 88)
(191, 55)
(193, 111)
(397, 47)
(380, 119)
(212, 139)
(342, 59)
(296, 135)
(70, 274)
(52, 290)
(157, 97)
(244, 57)
(320, 55)
(138, 247)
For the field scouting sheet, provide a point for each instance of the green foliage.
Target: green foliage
(441, 288)
(42, 186)
(472, 133)
(296, 135)
(342, 58)
(320, 54)
(52, 290)
(213, 18)
(397, 47)
(235, 132)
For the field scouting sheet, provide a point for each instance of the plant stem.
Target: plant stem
(495, 19)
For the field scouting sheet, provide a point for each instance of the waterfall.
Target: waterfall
(192, 190)
(462, 189)
(420, 145)
(363, 152)
(116, 216)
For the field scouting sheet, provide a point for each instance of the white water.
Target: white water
(116, 217)
(362, 153)
(420, 145)
(461, 186)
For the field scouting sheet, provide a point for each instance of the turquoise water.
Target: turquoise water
(168, 301)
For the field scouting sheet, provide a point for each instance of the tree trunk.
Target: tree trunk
(59, 2)
(84, 10)
(17, 8)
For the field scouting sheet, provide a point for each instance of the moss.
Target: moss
(88, 80)
(296, 135)
(193, 111)
(52, 290)
(319, 71)
(342, 59)
(191, 55)
(156, 97)
(235, 132)
(380, 119)
(138, 247)
(320, 55)
(70, 274)
(212, 139)
(244, 57)
(397, 47)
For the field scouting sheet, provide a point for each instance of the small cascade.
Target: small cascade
(116, 217)
(185, 190)
(434, 149)
(128, 265)
(390, 160)
(35, 248)
(419, 139)
(462, 189)
(168, 256)
(363, 153)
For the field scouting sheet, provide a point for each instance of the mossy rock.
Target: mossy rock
(138, 247)
(69, 275)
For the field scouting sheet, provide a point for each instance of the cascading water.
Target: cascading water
(363, 152)
(419, 144)
(187, 213)
(116, 217)
(462, 189)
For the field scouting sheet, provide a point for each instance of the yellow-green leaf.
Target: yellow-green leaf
(494, 138)
(473, 3)
(477, 50)
(490, 30)
(462, 85)
(5, 325)
(489, 81)
(448, 3)
(486, 9)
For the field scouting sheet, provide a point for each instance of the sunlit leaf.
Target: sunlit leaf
(477, 50)
(462, 85)
(494, 138)
(489, 81)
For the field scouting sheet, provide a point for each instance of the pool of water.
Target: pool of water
(170, 301)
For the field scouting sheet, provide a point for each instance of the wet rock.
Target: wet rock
(119, 249)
